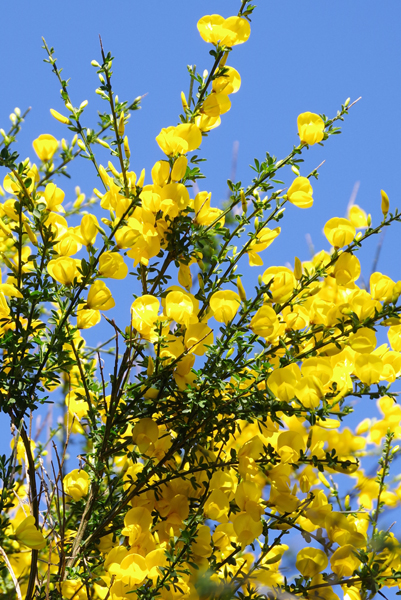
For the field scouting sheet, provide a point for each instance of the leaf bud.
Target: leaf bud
(241, 290)
(385, 203)
(298, 269)
(126, 147)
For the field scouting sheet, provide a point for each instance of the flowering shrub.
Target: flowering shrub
(216, 442)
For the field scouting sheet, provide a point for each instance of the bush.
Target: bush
(216, 436)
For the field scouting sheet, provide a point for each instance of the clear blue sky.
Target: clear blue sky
(301, 56)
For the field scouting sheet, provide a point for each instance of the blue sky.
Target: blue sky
(301, 56)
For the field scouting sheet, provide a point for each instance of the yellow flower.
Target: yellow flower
(144, 311)
(76, 484)
(87, 318)
(264, 239)
(246, 528)
(180, 308)
(63, 269)
(264, 322)
(112, 265)
(229, 83)
(311, 561)
(179, 140)
(310, 128)
(28, 534)
(340, 232)
(358, 217)
(225, 305)
(282, 282)
(226, 32)
(344, 562)
(207, 123)
(45, 146)
(204, 213)
(133, 570)
(88, 229)
(347, 269)
(300, 193)
(216, 104)
(381, 287)
(368, 368)
(197, 337)
(160, 173)
(283, 382)
(179, 168)
(99, 296)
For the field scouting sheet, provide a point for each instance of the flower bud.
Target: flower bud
(60, 117)
(102, 143)
(94, 63)
(121, 125)
(230, 353)
(385, 203)
(17, 111)
(69, 106)
(64, 145)
(126, 147)
(81, 145)
(151, 366)
(224, 59)
(243, 201)
(369, 220)
(74, 140)
(295, 170)
(348, 100)
(184, 101)
(113, 169)
(83, 104)
(201, 284)
(298, 269)
(141, 179)
(241, 290)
